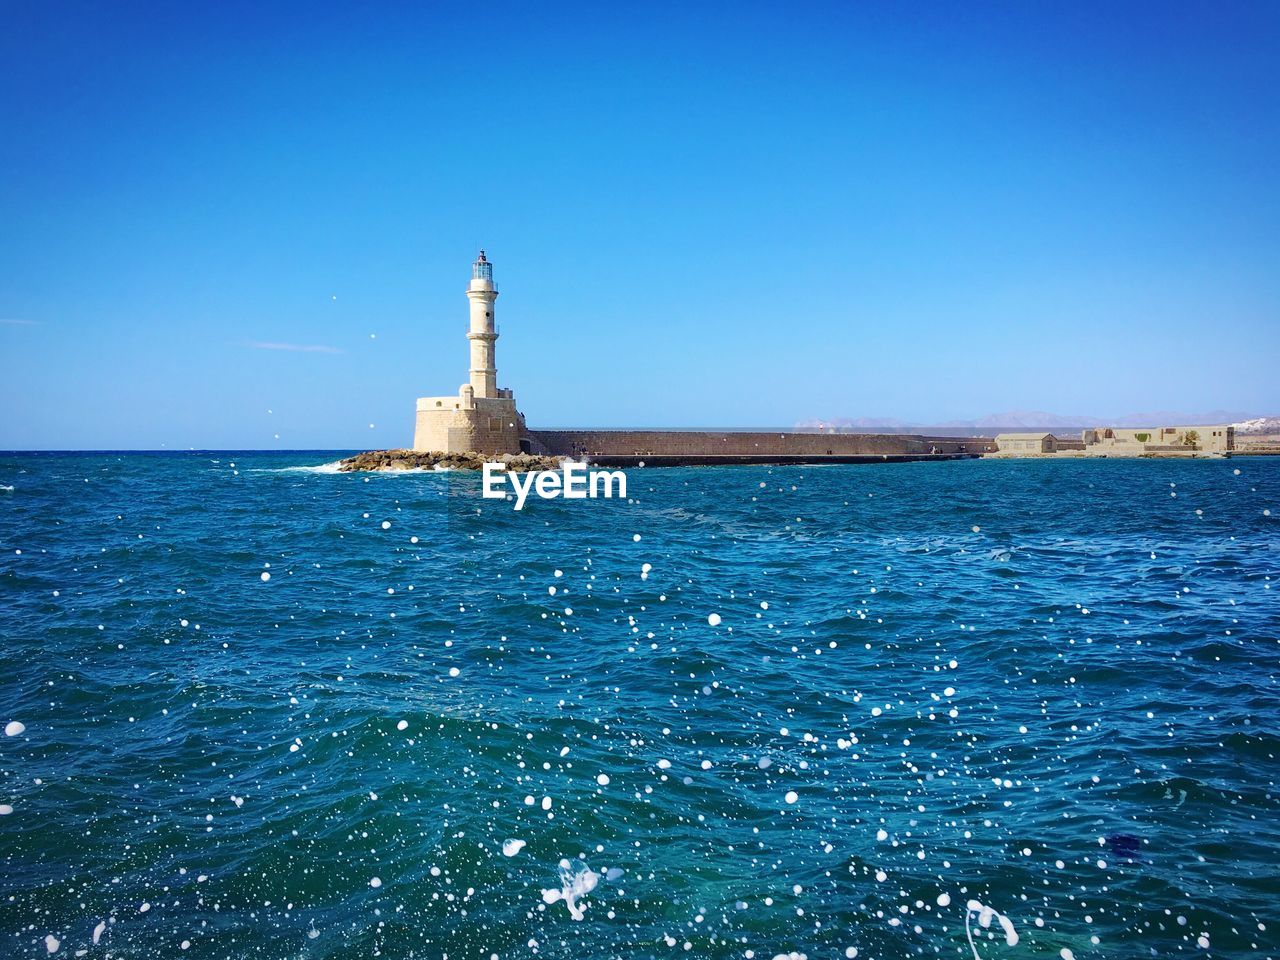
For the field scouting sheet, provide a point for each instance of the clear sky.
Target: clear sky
(700, 214)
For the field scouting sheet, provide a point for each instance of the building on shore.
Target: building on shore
(1024, 443)
(1182, 441)
(1218, 438)
(482, 418)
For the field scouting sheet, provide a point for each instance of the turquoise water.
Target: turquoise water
(1047, 687)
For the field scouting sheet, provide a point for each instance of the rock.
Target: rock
(388, 460)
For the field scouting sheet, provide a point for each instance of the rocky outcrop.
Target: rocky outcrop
(413, 460)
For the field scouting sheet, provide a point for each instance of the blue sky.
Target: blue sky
(700, 214)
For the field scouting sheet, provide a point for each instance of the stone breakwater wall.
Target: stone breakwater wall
(707, 446)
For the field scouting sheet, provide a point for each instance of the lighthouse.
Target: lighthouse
(482, 418)
(483, 334)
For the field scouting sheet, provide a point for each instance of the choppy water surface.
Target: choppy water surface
(839, 711)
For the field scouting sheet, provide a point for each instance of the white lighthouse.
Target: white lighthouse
(482, 418)
(483, 334)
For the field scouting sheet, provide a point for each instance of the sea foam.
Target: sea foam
(573, 884)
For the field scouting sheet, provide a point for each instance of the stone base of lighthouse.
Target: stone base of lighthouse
(469, 424)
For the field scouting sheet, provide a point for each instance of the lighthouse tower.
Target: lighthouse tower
(483, 334)
(482, 418)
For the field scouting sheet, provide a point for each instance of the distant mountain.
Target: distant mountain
(1041, 419)
(1022, 418)
(1164, 418)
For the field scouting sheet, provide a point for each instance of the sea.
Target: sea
(254, 707)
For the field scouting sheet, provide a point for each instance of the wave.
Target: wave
(335, 467)
(320, 468)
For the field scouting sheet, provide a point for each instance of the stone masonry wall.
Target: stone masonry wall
(705, 443)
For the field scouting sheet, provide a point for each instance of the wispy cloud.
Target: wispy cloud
(17, 323)
(293, 347)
